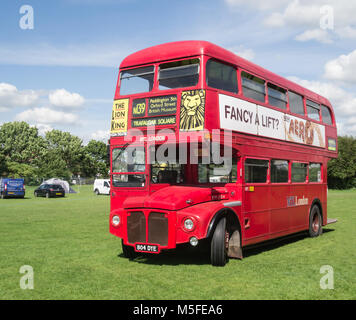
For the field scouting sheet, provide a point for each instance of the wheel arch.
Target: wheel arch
(317, 202)
(232, 220)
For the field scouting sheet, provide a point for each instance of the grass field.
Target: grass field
(73, 255)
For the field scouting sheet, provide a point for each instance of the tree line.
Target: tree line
(25, 153)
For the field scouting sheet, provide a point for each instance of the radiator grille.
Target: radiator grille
(136, 227)
(158, 228)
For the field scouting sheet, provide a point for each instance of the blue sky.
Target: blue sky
(62, 73)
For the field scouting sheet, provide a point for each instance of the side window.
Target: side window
(277, 96)
(299, 172)
(313, 110)
(314, 172)
(106, 184)
(253, 87)
(221, 76)
(296, 104)
(326, 114)
(256, 170)
(279, 171)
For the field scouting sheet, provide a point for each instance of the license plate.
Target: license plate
(58, 194)
(11, 193)
(144, 247)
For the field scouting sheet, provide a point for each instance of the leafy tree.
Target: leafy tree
(342, 171)
(67, 147)
(97, 161)
(3, 168)
(21, 143)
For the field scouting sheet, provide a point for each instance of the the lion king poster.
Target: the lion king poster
(192, 109)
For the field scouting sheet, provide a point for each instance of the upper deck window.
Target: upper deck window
(178, 74)
(221, 76)
(296, 104)
(253, 87)
(136, 80)
(277, 96)
(313, 110)
(326, 114)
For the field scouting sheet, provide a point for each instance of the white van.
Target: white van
(102, 186)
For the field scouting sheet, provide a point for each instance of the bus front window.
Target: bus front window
(136, 80)
(178, 74)
(127, 166)
(165, 167)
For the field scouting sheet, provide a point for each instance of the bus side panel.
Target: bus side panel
(279, 210)
(256, 205)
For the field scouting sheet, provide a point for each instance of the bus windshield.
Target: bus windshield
(136, 80)
(127, 165)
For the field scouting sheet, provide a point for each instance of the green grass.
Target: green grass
(68, 244)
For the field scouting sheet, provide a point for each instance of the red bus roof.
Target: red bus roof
(183, 49)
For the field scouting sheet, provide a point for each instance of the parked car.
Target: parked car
(101, 186)
(49, 190)
(14, 188)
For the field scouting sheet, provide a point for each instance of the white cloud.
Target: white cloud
(336, 17)
(260, 4)
(319, 35)
(101, 135)
(42, 128)
(11, 97)
(342, 68)
(46, 116)
(243, 52)
(63, 98)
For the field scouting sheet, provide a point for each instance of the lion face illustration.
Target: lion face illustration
(192, 110)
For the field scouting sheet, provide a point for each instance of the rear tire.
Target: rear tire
(315, 222)
(47, 195)
(2, 196)
(128, 251)
(35, 194)
(218, 254)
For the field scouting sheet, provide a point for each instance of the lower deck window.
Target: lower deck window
(314, 172)
(299, 172)
(256, 170)
(279, 171)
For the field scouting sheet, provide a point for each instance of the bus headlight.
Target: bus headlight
(188, 224)
(115, 221)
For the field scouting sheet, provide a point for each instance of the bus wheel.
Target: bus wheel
(219, 244)
(315, 222)
(128, 251)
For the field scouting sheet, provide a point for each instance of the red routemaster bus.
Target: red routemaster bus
(208, 146)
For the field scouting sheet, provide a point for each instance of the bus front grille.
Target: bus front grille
(136, 227)
(158, 228)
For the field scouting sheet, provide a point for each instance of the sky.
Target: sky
(59, 59)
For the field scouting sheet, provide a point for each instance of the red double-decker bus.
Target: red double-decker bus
(208, 146)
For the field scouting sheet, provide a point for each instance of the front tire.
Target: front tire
(97, 192)
(128, 251)
(218, 255)
(315, 222)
